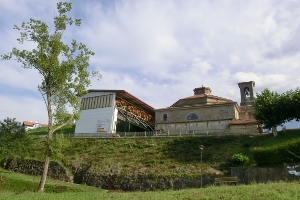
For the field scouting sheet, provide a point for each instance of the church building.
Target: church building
(204, 113)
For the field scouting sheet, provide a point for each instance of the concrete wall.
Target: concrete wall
(243, 129)
(249, 175)
(100, 120)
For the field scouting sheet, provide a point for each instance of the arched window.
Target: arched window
(192, 117)
(247, 92)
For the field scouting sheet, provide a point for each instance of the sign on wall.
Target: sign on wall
(102, 125)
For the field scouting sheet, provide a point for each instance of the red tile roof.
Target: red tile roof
(184, 101)
(27, 123)
(207, 95)
(31, 123)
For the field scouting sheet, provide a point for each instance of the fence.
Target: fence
(170, 133)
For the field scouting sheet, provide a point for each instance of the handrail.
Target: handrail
(169, 133)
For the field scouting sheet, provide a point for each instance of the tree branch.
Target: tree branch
(62, 125)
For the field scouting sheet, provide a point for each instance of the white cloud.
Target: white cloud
(15, 76)
(161, 50)
(234, 60)
(23, 108)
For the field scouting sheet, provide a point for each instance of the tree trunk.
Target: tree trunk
(45, 172)
(274, 131)
(48, 149)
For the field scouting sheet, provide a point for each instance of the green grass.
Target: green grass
(160, 156)
(16, 183)
(68, 129)
(19, 186)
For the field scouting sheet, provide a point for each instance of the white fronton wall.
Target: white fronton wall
(98, 115)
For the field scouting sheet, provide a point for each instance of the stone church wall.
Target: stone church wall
(246, 112)
(244, 129)
(205, 113)
(213, 117)
(196, 127)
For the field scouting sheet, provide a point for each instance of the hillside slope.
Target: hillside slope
(156, 155)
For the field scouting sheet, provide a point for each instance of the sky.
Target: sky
(159, 51)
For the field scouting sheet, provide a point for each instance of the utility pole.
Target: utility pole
(201, 147)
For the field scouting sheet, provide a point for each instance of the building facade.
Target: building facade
(206, 113)
(32, 125)
(105, 112)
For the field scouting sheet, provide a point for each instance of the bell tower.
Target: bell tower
(247, 100)
(246, 92)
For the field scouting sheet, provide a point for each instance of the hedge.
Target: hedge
(285, 152)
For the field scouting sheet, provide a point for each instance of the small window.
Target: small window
(165, 117)
(192, 117)
(247, 92)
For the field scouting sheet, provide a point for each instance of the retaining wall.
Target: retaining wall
(114, 180)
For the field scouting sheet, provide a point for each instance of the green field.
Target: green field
(19, 186)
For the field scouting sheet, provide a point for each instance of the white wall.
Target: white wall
(91, 119)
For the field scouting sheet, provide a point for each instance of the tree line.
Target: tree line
(273, 109)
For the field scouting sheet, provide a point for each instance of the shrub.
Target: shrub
(238, 160)
(277, 154)
(14, 141)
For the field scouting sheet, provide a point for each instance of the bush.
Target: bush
(14, 141)
(238, 160)
(57, 145)
(277, 154)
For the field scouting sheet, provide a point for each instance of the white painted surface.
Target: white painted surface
(90, 120)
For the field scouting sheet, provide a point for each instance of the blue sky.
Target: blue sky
(160, 51)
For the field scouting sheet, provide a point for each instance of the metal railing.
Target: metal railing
(170, 133)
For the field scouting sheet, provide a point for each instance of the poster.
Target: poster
(102, 125)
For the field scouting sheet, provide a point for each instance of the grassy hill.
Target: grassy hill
(163, 156)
